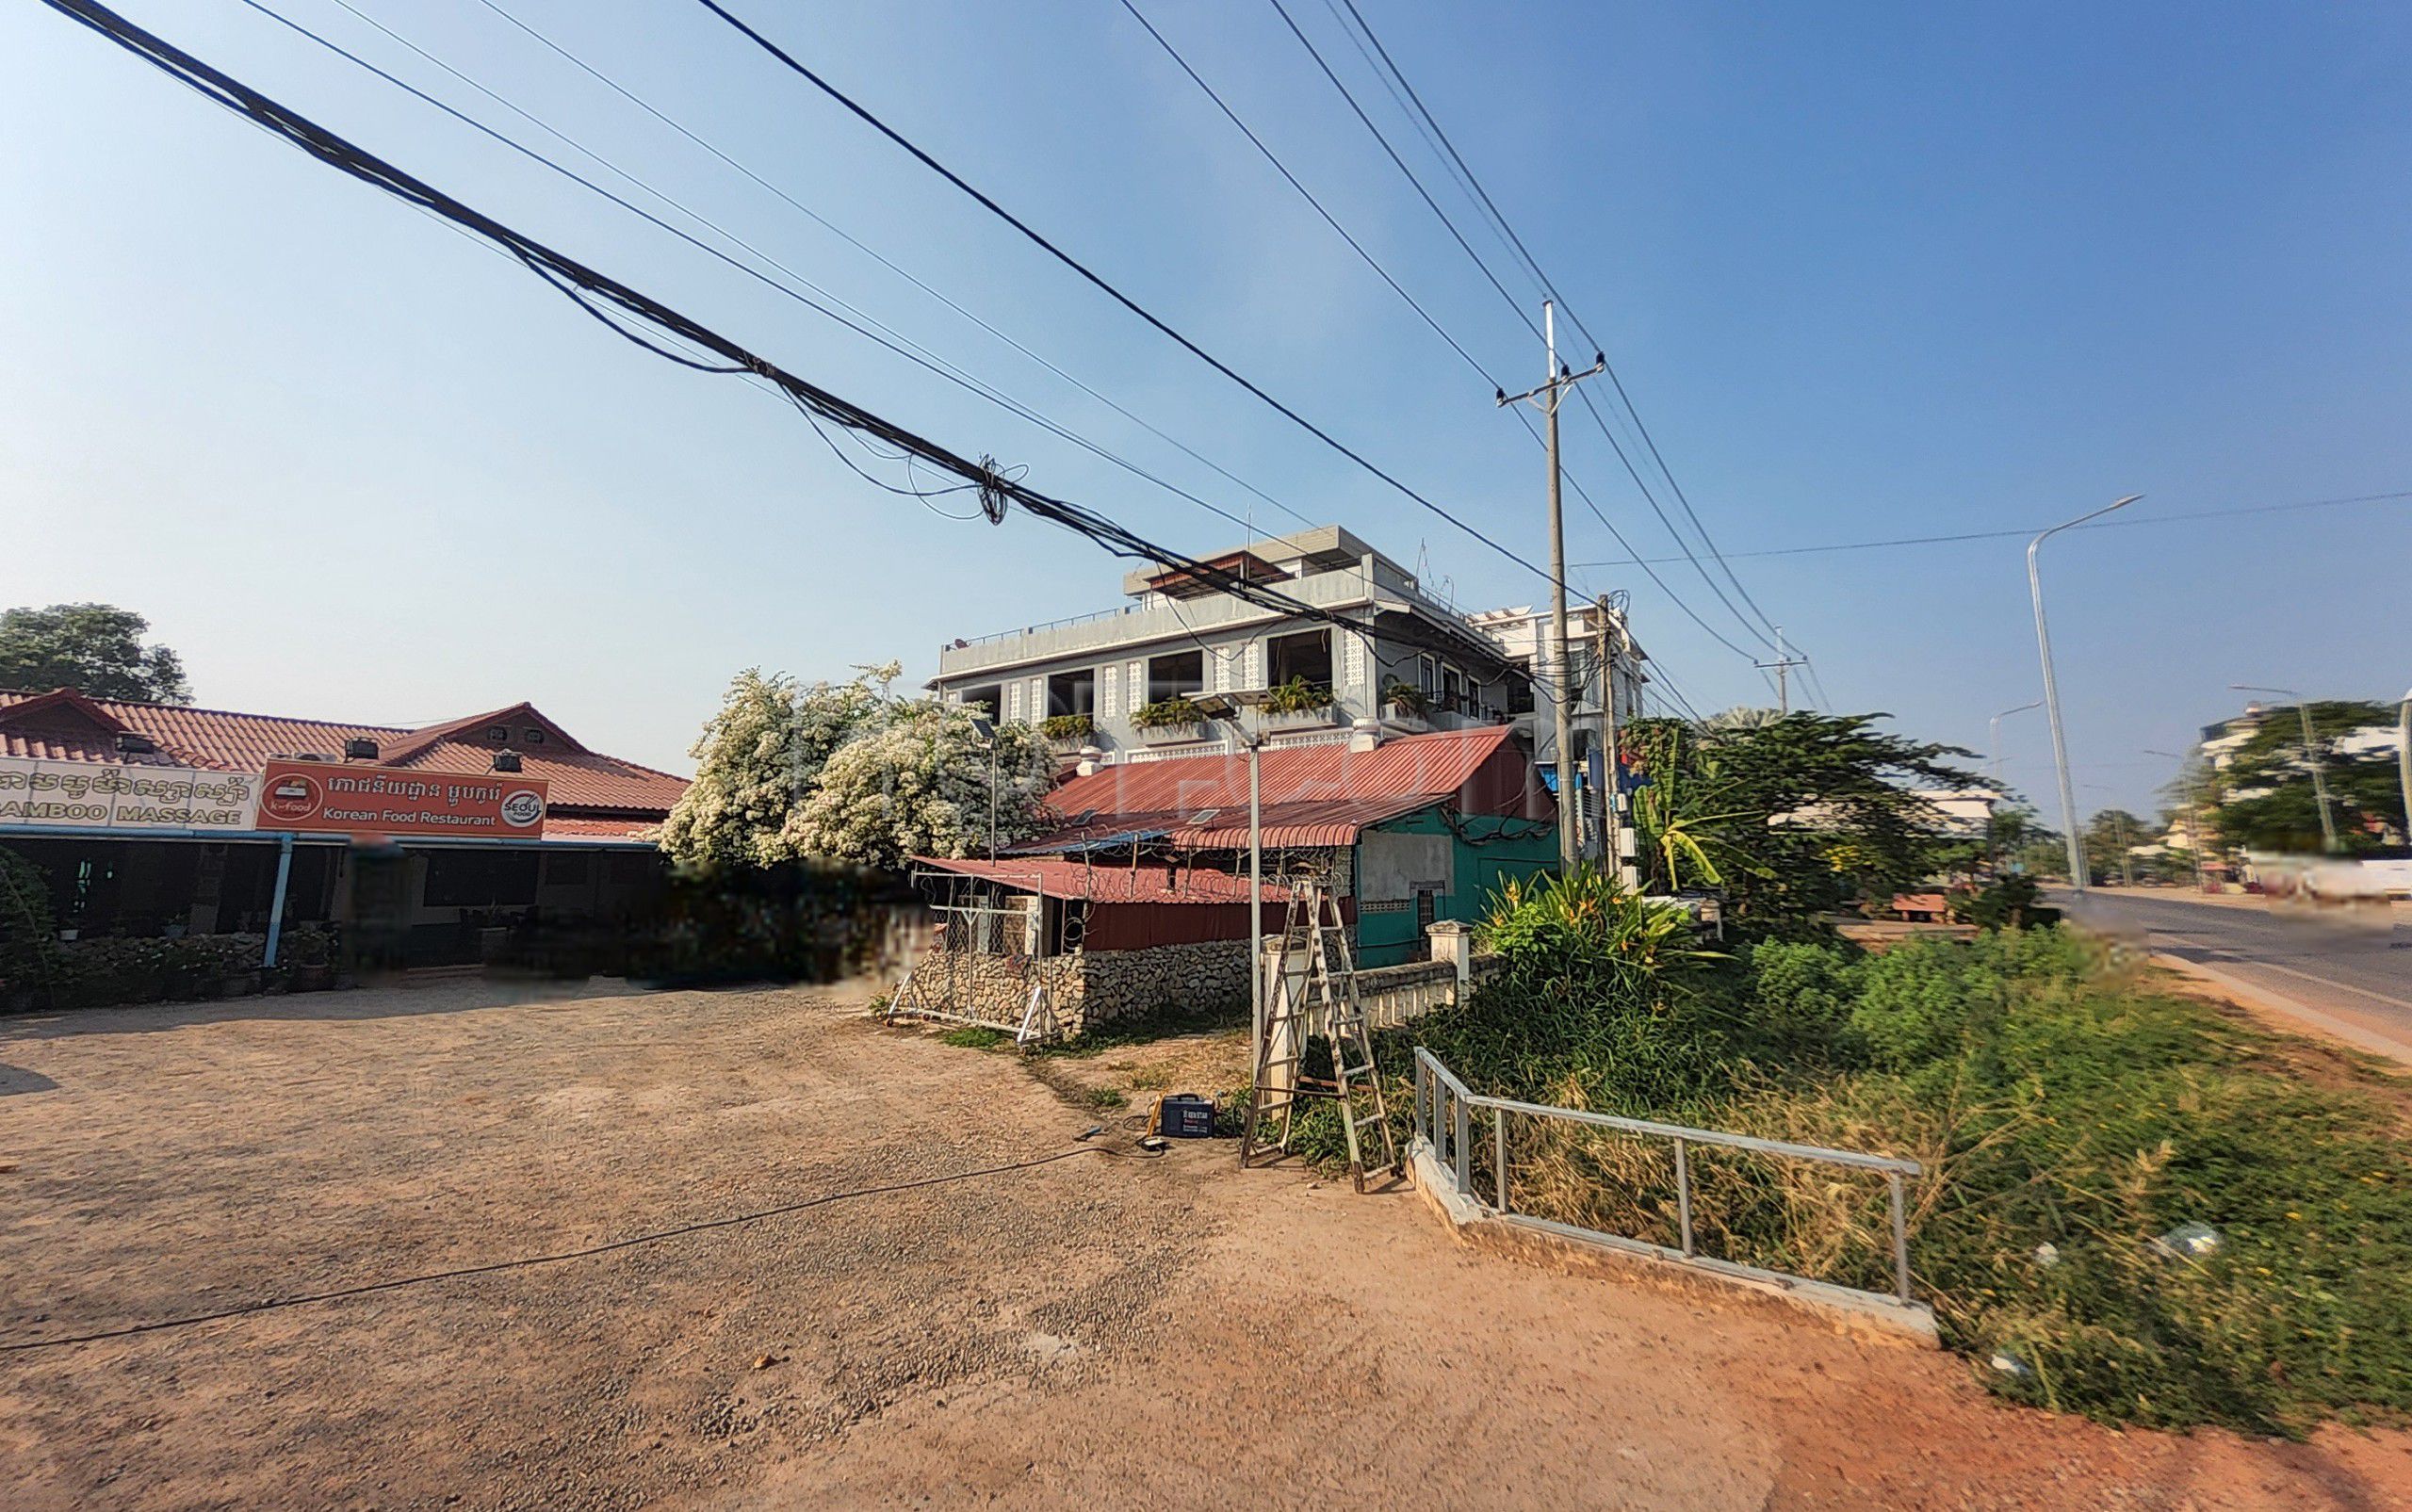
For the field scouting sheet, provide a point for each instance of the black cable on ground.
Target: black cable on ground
(275, 1304)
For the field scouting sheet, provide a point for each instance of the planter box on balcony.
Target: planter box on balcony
(1302, 719)
(1173, 734)
(1406, 719)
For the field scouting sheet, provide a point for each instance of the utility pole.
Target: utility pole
(1612, 829)
(2186, 799)
(1781, 666)
(2075, 841)
(1546, 398)
(2311, 759)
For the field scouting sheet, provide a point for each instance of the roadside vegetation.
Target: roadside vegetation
(2136, 1206)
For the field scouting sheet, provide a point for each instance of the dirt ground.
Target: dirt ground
(1103, 1329)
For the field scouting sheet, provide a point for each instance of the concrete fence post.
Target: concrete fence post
(1453, 942)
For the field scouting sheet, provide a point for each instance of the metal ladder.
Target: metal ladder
(1331, 986)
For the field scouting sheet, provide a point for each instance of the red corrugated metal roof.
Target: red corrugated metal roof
(1103, 884)
(223, 740)
(1318, 796)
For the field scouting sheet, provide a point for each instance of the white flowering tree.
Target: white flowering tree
(759, 757)
(918, 785)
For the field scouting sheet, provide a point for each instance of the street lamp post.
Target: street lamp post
(2310, 754)
(1994, 748)
(1225, 708)
(2186, 797)
(2052, 690)
(988, 731)
(2404, 759)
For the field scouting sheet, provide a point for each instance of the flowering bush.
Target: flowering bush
(758, 758)
(920, 785)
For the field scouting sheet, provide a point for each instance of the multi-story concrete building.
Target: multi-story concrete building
(1115, 683)
(1596, 635)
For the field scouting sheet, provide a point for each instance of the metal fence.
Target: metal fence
(1447, 1115)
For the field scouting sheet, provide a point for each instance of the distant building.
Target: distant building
(1110, 683)
(152, 818)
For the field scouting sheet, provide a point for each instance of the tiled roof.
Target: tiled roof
(1107, 882)
(223, 740)
(1318, 796)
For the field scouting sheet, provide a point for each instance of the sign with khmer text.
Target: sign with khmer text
(109, 796)
(348, 799)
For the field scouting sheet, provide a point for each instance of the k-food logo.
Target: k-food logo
(523, 806)
(291, 798)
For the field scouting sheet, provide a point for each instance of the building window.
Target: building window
(535, 736)
(1427, 678)
(480, 879)
(499, 734)
(1072, 693)
(1176, 675)
(987, 701)
(1304, 658)
(1453, 689)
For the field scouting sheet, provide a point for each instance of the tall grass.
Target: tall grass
(2068, 1113)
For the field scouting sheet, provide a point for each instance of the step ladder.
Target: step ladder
(1313, 926)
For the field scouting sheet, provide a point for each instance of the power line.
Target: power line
(884, 335)
(2122, 523)
(1541, 278)
(1449, 223)
(1031, 234)
(610, 301)
(642, 103)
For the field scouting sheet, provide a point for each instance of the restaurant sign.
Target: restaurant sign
(324, 798)
(109, 796)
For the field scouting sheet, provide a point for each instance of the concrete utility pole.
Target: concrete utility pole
(1546, 398)
(2052, 690)
(2404, 759)
(1781, 666)
(1612, 829)
(2186, 797)
(2311, 756)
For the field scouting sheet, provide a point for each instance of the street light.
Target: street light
(1996, 746)
(2310, 753)
(2186, 797)
(1225, 708)
(987, 730)
(2052, 690)
(2404, 759)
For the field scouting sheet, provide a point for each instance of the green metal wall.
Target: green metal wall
(1485, 853)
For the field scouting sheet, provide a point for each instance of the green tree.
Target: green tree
(919, 784)
(97, 648)
(2110, 835)
(1800, 813)
(2263, 798)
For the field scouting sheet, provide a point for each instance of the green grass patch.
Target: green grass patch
(2057, 1097)
(975, 1037)
(1145, 1028)
(1105, 1100)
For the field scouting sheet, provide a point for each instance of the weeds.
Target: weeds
(975, 1037)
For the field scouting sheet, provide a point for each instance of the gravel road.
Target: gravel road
(1103, 1329)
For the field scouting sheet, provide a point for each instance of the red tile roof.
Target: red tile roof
(1107, 884)
(83, 730)
(1317, 795)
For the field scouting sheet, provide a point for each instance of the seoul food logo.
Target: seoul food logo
(292, 796)
(523, 808)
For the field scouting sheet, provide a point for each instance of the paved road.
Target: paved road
(2353, 978)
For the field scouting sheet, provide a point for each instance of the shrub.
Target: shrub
(1166, 714)
(28, 929)
(1298, 696)
(1068, 726)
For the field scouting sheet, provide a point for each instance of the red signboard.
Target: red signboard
(324, 797)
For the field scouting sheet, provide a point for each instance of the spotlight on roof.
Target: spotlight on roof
(506, 761)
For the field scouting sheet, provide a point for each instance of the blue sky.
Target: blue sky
(1867, 272)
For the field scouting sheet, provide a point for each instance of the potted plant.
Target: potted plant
(1169, 719)
(1298, 703)
(1406, 703)
(1067, 729)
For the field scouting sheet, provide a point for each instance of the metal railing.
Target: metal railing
(1445, 1111)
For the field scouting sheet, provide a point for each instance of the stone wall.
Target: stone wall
(1197, 978)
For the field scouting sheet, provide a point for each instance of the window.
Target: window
(480, 879)
(1428, 676)
(1072, 693)
(499, 734)
(988, 700)
(1300, 658)
(535, 736)
(1175, 676)
(1453, 689)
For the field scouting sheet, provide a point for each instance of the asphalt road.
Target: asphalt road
(2350, 976)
